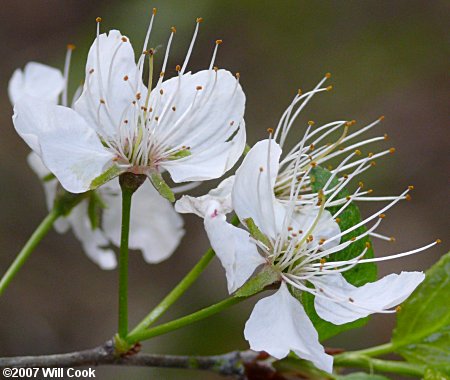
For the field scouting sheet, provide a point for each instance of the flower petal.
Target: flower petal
(110, 60)
(68, 147)
(220, 197)
(348, 303)
(237, 253)
(36, 80)
(253, 195)
(93, 241)
(203, 111)
(155, 228)
(279, 324)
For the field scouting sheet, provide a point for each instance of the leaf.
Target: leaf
(162, 187)
(106, 176)
(431, 374)
(267, 276)
(422, 334)
(362, 376)
(360, 274)
(95, 206)
(256, 232)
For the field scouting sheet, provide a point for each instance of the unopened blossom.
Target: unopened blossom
(156, 228)
(190, 125)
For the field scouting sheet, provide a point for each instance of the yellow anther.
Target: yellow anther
(386, 137)
(311, 123)
(438, 241)
(178, 68)
(323, 261)
(408, 197)
(410, 187)
(373, 163)
(329, 88)
(398, 309)
(299, 91)
(338, 220)
(215, 68)
(382, 216)
(392, 239)
(381, 118)
(154, 11)
(218, 42)
(391, 150)
(161, 74)
(269, 131)
(71, 47)
(370, 155)
(361, 184)
(328, 75)
(321, 241)
(199, 19)
(238, 75)
(370, 191)
(311, 147)
(368, 245)
(313, 164)
(173, 29)
(98, 19)
(358, 152)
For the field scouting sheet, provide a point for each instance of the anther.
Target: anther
(373, 163)
(328, 75)
(313, 164)
(269, 131)
(216, 69)
(410, 187)
(351, 299)
(91, 71)
(438, 241)
(199, 20)
(124, 39)
(138, 96)
(299, 91)
(338, 220)
(311, 123)
(392, 239)
(98, 19)
(398, 308)
(368, 245)
(156, 118)
(361, 184)
(370, 155)
(261, 169)
(125, 78)
(329, 88)
(173, 29)
(321, 241)
(290, 228)
(382, 216)
(198, 88)
(391, 150)
(358, 152)
(311, 147)
(218, 42)
(238, 75)
(386, 137)
(231, 122)
(408, 197)
(174, 108)
(178, 68)
(161, 74)
(102, 101)
(154, 11)
(71, 47)
(353, 238)
(161, 91)
(381, 118)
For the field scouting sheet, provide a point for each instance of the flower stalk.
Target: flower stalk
(129, 183)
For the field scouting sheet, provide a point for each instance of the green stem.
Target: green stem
(382, 349)
(183, 321)
(123, 262)
(29, 247)
(361, 361)
(176, 292)
(180, 289)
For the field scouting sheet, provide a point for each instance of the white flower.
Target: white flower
(296, 242)
(156, 229)
(190, 125)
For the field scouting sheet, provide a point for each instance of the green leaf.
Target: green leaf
(360, 274)
(162, 187)
(267, 276)
(422, 334)
(256, 232)
(361, 376)
(431, 374)
(106, 176)
(95, 206)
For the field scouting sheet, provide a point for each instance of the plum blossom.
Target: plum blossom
(296, 242)
(190, 125)
(156, 228)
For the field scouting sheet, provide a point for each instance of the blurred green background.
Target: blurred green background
(386, 57)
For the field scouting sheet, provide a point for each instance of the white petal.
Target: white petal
(155, 228)
(220, 197)
(253, 195)
(69, 148)
(36, 80)
(360, 302)
(93, 241)
(106, 81)
(326, 227)
(204, 120)
(278, 324)
(61, 225)
(237, 253)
